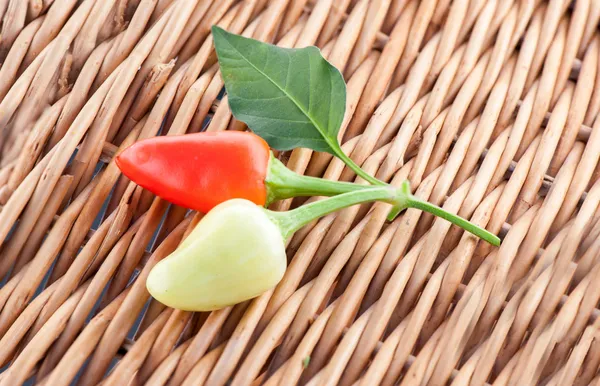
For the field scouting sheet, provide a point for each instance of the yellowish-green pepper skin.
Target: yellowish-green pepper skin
(235, 253)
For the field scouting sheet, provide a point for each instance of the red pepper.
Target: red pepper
(199, 171)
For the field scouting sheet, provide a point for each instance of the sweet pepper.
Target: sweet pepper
(199, 171)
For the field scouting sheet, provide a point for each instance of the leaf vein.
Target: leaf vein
(288, 72)
(274, 119)
(306, 113)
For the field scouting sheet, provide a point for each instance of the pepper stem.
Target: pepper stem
(414, 202)
(289, 222)
(365, 176)
(283, 183)
(358, 170)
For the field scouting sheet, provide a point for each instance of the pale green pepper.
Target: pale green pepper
(237, 251)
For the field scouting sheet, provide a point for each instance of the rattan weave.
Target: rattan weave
(490, 108)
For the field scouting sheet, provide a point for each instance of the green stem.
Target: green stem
(414, 202)
(357, 169)
(365, 176)
(283, 183)
(289, 222)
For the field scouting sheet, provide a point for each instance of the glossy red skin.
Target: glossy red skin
(201, 170)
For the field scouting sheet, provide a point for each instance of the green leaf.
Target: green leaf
(290, 97)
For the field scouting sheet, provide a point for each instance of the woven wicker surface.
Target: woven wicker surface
(489, 107)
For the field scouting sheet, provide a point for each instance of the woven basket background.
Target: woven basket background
(489, 107)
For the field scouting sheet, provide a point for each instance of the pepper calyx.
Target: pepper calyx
(282, 183)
